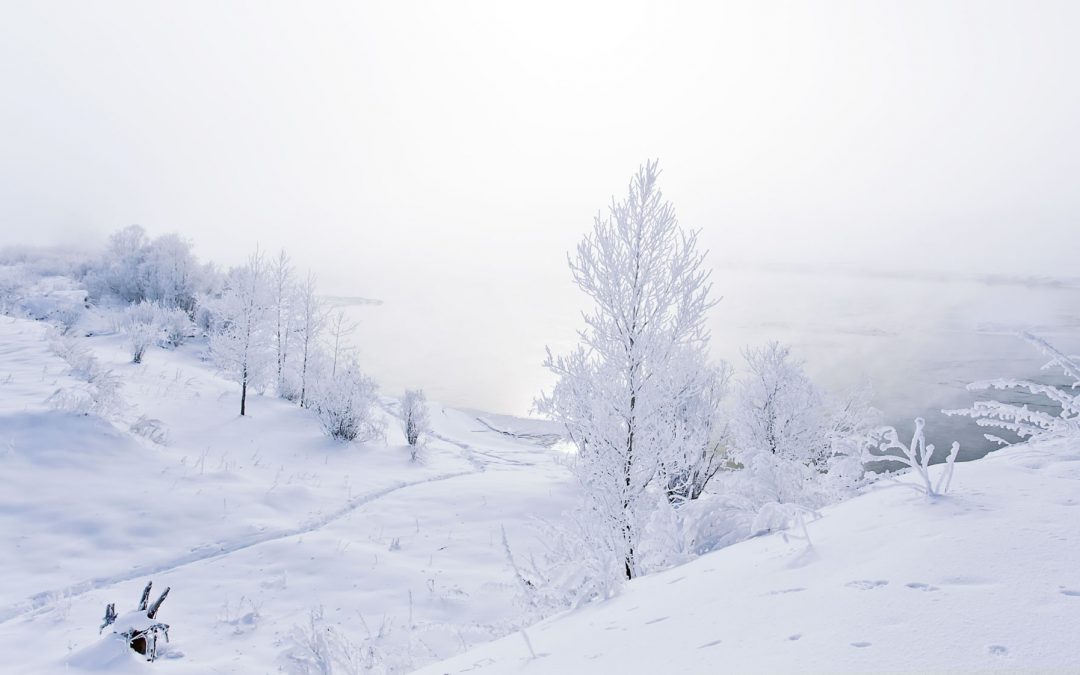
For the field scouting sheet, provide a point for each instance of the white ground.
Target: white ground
(257, 522)
(254, 522)
(986, 579)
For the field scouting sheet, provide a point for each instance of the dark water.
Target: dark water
(918, 339)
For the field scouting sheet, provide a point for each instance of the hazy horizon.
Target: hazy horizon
(444, 158)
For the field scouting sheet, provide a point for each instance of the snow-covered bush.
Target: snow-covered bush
(100, 393)
(134, 268)
(629, 395)
(414, 416)
(151, 429)
(798, 444)
(345, 402)
(1061, 417)
(320, 648)
(141, 325)
(176, 327)
(11, 282)
(916, 455)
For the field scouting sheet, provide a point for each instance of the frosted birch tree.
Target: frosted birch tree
(241, 345)
(636, 361)
(311, 320)
(339, 328)
(281, 273)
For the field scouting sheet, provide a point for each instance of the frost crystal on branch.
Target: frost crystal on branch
(916, 455)
(1029, 424)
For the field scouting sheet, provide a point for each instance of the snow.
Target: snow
(984, 579)
(254, 522)
(264, 527)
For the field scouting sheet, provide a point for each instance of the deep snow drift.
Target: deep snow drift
(986, 578)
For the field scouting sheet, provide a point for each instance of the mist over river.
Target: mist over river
(918, 339)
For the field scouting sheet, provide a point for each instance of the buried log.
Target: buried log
(139, 628)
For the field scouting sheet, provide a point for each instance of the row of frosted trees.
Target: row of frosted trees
(268, 329)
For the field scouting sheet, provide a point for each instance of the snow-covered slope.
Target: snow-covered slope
(262, 526)
(985, 579)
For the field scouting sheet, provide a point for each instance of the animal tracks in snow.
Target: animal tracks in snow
(920, 586)
(867, 584)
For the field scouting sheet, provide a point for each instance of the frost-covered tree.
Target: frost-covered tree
(134, 268)
(699, 430)
(339, 328)
(414, 415)
(281, 273)
(169, 274)
(1059, 416)
(118, 271)
(789, 434)
(141, 324)
(636, 361)
(311, 319)
(345, 402)
(241, 344)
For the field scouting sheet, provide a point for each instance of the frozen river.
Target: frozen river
(918, 339)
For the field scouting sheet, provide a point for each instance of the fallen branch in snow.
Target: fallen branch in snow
(139, 628)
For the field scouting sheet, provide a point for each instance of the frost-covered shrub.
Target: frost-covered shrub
(141, 324)
(176, 326)
(100, 393)
(916, 455)
(414, 416)
(320, 648)
(151, 429)
(11, 281)
(134, 268)
(798, 444)
(205, 317)
(1063, 418)
(66, 318)
(345, 403)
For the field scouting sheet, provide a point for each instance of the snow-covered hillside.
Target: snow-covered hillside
(272, 536)
(985, 579)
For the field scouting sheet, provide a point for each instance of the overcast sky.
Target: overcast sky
(373, 139)
(449, 154)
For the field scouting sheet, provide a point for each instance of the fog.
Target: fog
(878, 183)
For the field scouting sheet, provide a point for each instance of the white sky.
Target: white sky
(373, 138)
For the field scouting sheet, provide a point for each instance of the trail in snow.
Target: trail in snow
(41, 600)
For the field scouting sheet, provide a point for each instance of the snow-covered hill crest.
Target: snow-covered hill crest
(984, 579)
